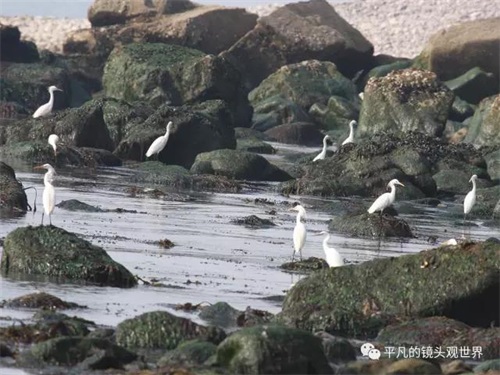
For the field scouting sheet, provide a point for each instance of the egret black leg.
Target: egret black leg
(50, 220)
(42, 218)
(293, 255)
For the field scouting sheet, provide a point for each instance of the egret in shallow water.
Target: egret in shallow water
(46, 109)
(159, 143)
(470, 198)
(53, 139)
(299, 232)
(350, 139)
(386, 199)
(333, 257)
(322, 154)
(49, 193)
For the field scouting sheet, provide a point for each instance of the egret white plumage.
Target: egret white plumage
(49, 193)
(350, 139)
(322, 154)
(46, 109)
(53, 139)
(470, 198)
(159, 143)
(333, 257)
(386, 199)
(361, 95)
(299, 232)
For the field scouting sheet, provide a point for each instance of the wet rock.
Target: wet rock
(103, 333)
(220, 314)
(470, 84)
(162, 330)
(385, 69)
(405, 100)
(453, 181)
(307, 265)
(86, 353)
(76, 205)
(371, 225)
(5, 351)
(298, 32)
(13, 49)
(412, 366)
(301, 133)
(253, 317)
(244, 133)
(196, 129)
(373, 294)
(40, 300)
(484, 128)
(493, 165)
(487, 366)
(194, 352)
(337, 349)
(58, 255)
(12, 195)
(238, 165)
(254, 222)
(460, 110)
(335, 115)
(254, 145)
(272, 350)
(275, 111)
(454, 51)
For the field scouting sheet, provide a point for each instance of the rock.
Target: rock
(69, 259)
(455, 367)
(12, 195)
(297, 32)
(247, 133)
(376, 293)
(453, 181)
(484, 128)
(366, 367)
(486, 366)
(337, 349)
(460, 110)
(238, 165)
(13, 49)
(454, 51)
(194, 352)
(253, 221)
(5, 351)
(385, 69)
(272, 350)
(493, 165)
(335, 115)
(254, 145)
(405, 100)
(163, 73)
(488, 339)
(87, 353)
(413, 366)
(307, 265)
(196, 129)
(253, 317)
(305, 134)
(76, 205)
(470, 86)
(162, 330)
(371, 225)
(275, 111)
(220, 314)
(40, 300)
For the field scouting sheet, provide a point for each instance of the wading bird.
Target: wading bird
(45, 109)
(470, 198)
(350, 139)
(322, 154)
(299, 232)
(333, 257)
(159, 143)
(49, 193)
(386, 199)
(53, 139)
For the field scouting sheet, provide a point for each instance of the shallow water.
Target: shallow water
(213, 260)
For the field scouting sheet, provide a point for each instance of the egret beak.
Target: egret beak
(401, 184)
(39, 167)
(58, 89)
(292, 209)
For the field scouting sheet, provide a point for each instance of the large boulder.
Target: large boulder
(360, 300)
(484, 127)
(238, 165)
(405, 100)
(297, 32)
(273, 350)
(53, 253)
(452, 52)
(302, 133)
(12, 195)
(198, 128)
(471, 85)
(12, 49)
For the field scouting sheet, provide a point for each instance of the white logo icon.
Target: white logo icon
(374, 354)
(369, 350)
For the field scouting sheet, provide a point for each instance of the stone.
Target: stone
(40, 300)
(12, 195)
(301, 133)
(471, 85)
(13, 49)
(484, 128)
(190, 352)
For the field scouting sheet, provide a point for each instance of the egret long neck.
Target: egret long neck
(51, 98)
(325, 241)
(474, 186)
(393, 192)
(300, 214)
(351, 132)
(324, 144)
(48, 178)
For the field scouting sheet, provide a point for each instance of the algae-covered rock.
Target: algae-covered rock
(301, 133)
(12, 195)
(337, 349)
(254, 145)
(220, 314)
(484, 128)
(51, 252)
(371, 225)
(493, 164)
(273, 350)
(405, 100)
(238, 165)
(190, 352)
(39, 300)
(360, 300)
(162, 330)
(76, 205)
(471, 85)
(275, 111)
(336, 114)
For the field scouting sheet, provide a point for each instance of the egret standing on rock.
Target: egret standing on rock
(49, 193)
(333, 257)
(53, 139)
(350, 139)
(322, 154)
(386, 199)
(46, 109)
(470, 198)
(299, 232)
(159, 143)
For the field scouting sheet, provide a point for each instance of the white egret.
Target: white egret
(159, 143)
(333, 257)
(322, 154)
(386, 199)
(45, 109)
(470, 198)
(49, 193)
(299, 232)
(53, 139)
(350, 139)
